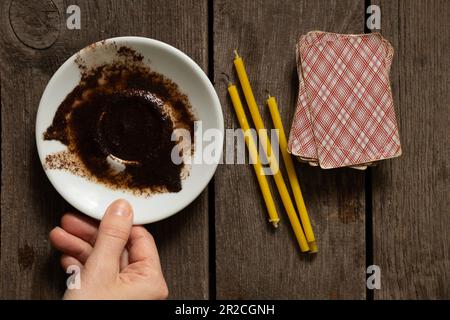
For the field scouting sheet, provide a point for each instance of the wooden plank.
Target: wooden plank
(34, 43)
(254, 261)
(411, 194)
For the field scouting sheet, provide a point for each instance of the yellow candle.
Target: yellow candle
(264, 140)
(274, 112)
(251, 102)
(254, 155)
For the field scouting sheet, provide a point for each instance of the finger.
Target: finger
(113, 234)
(80, 226)
(124, 259)
(141, 246)
(68, 261)
(70, 245)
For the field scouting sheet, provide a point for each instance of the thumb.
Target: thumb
(113, 233)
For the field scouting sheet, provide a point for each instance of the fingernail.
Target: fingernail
(120, 208)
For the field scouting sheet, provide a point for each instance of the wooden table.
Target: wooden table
(395, 215)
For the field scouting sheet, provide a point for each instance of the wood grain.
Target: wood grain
(411, 194)
(254, 261)
(29, 54)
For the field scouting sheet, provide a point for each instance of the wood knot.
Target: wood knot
(35, 23)
(26, 256)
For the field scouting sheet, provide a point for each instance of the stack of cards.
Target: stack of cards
(345, 113)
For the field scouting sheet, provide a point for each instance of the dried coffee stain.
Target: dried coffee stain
(117, 124)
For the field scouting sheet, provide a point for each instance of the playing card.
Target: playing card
(345, 113)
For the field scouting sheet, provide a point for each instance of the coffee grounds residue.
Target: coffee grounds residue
(117, 124)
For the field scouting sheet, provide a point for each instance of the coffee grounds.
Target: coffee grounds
(122, 115)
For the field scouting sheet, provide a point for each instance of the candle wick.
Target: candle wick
(236, 54)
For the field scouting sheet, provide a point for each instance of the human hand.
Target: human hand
(116, 260)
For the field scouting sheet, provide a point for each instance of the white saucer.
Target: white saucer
(92, 198)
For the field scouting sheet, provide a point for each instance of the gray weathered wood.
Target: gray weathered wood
(30, 52)
(411, 194)
(254, 261)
